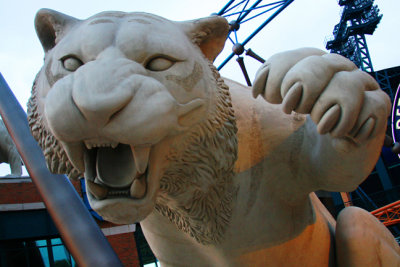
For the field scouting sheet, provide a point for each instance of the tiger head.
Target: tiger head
(132, 102)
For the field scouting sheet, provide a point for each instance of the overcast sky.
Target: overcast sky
(303, 23)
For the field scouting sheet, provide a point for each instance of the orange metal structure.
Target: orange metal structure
(389, 214)
(346, 199)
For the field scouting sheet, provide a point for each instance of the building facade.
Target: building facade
(28, 236)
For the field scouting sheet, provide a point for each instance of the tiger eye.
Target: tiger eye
(71, 63)
(159, 64)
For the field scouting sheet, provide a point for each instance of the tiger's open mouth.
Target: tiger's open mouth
(121, 180)
(116, 170)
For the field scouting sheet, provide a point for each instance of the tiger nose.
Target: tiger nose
(99, 108)
(104, 87)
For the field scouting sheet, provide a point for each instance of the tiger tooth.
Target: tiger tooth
(138, 188)
(141, 157)
(75, 154)
(88, 146)
(98, 191)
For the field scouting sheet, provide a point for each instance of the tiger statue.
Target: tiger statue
(9, 153)
(217, 173)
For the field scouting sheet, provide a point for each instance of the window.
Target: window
(155, 264)
(38, 253)
(146, 256)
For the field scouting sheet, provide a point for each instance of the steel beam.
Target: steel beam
(284, 5)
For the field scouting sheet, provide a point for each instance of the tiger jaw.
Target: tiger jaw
(118, 176)
(111, 169)
(113, 172)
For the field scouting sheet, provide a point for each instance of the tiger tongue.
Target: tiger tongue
(114, 166)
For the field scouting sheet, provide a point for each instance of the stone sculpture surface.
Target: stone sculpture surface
(216, 175)
(9, 153)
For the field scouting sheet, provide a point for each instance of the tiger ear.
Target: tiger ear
(209, 34)
(51, 26)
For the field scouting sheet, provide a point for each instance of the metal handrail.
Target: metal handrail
(79, 231)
